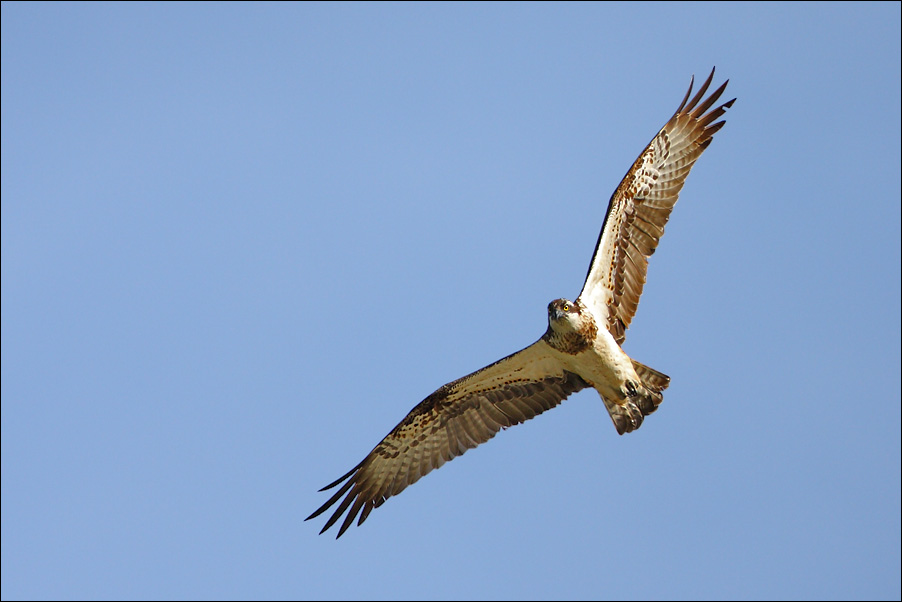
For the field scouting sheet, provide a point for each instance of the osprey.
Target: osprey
(580, 348)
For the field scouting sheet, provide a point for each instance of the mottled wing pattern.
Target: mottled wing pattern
(641, 206)
(457, 417)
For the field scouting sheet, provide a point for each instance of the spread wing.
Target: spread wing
(457, 417)
(641, 206)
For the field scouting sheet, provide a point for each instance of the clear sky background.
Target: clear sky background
(240, 242)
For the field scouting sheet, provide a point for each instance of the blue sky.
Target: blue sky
(240, 242)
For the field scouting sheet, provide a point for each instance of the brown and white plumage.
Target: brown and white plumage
(641, 206)
(580, 348)
(457, 417)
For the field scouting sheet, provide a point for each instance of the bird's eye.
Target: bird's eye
(566, 307)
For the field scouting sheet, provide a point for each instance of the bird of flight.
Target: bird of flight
(580, 348)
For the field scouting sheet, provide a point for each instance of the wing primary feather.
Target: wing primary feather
(366, 512)
(688, 92)
(714, 115)
(709, 102)
(340, 479)
(349, 519)
(701, 92)
(713, 129)
(707, 119)
(341, 508)
(331, 500)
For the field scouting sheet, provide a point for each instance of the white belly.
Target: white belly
(605, 366)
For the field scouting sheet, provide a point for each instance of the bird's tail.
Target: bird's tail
(652, 380)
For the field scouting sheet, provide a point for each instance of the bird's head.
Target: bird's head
(565, 315)
(571, 326)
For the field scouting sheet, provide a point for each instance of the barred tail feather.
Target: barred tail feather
(653, 382)
(651, 378)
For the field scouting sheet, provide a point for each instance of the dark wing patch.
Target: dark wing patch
(457, 417)
(641, 205)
